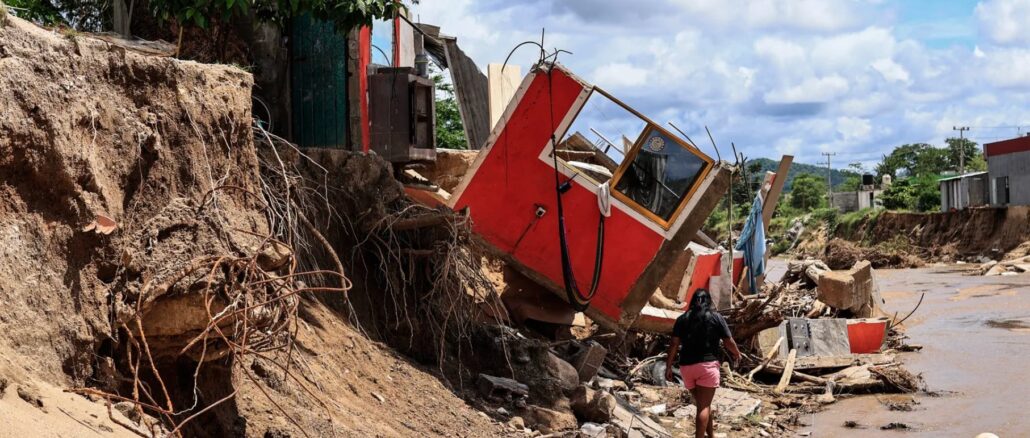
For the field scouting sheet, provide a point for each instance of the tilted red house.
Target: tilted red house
(662, 190)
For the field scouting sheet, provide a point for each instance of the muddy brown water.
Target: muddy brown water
(976, 337)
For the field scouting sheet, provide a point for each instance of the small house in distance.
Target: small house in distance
(1008, 165)
(866, 196)
(962, 191)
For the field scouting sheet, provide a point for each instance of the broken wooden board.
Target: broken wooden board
(816, 362)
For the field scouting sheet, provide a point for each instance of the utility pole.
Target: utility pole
(961, 148)
(829, 180)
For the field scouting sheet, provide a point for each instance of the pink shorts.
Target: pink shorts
(704, 374)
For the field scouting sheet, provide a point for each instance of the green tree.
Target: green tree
(346, 14)
(977, 163)
(918, 193)
(913, 160)
(964, 146)
(83, 15)
(450, 132)
(95, 15)
(850, 184)
(808, 192)
(931, 161)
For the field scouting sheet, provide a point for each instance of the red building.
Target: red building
(662, 188)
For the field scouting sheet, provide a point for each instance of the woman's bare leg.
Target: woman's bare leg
(703, 398)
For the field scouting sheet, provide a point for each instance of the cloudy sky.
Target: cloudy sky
(855, 77)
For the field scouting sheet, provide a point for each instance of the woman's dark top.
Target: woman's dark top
(699, 340)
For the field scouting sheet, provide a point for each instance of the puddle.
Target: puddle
(983, 291)
(1015, 325)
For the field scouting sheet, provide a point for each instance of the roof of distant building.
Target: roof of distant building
(1018, 144)
(964, 175)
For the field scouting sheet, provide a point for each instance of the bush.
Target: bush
(919, 193)
(780, 247)
(847, 222)
(827, 215)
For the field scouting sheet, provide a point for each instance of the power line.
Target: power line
(829, 180)
(962, 148)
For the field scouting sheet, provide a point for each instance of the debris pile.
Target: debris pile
(1007, 267)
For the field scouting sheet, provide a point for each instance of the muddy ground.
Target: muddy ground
(975, 332)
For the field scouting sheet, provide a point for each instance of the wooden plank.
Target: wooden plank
(503, 84)
(703, 239)
(788, 370)
(768, 358)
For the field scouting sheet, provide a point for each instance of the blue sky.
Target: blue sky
(855, 77)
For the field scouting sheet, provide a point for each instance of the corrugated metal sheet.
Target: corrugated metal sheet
(472, 91)
(318, 82)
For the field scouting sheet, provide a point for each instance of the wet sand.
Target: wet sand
(976, 337)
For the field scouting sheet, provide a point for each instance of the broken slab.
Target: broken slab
(819, 337)
(588, 360)
(730, 404)
(635, 423)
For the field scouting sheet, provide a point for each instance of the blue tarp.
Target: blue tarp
(752, 243)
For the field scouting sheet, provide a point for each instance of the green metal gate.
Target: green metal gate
(318, 83)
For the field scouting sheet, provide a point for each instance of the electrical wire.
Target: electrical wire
(575, 297)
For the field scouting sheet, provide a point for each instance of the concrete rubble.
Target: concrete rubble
(1007, 267)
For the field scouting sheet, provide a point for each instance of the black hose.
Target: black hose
(576, 299)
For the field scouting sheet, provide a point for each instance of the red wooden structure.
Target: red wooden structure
(661, 193)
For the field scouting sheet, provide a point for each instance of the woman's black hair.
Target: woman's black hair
(700, 315)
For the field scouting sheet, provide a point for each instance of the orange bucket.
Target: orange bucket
(866, 335)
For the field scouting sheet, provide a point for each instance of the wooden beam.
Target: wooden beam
(788, 370)
(773, 196)
(768, 358)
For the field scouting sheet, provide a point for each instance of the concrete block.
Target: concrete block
(767, 339)
(851, 290)
(500, 388)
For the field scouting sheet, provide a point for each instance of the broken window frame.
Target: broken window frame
(630, 155)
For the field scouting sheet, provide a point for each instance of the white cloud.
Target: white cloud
(854, 50)
(619, 74)
(890, 70)
(811, 90)
(774, 76)
(853, 128)
(1005, 21)
(1008, 68)
(820, 16)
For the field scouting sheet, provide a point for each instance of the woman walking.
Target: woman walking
(696, 334)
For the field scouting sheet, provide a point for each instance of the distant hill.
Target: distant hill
(836, 175)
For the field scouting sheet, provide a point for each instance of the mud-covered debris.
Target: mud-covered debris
(30, 394)
(895, 426)
(590, 405)
(548, 421)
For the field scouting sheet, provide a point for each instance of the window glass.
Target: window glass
(599, 138)
(661, 173)
(382, 42)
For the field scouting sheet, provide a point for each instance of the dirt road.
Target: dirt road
(976, 334)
